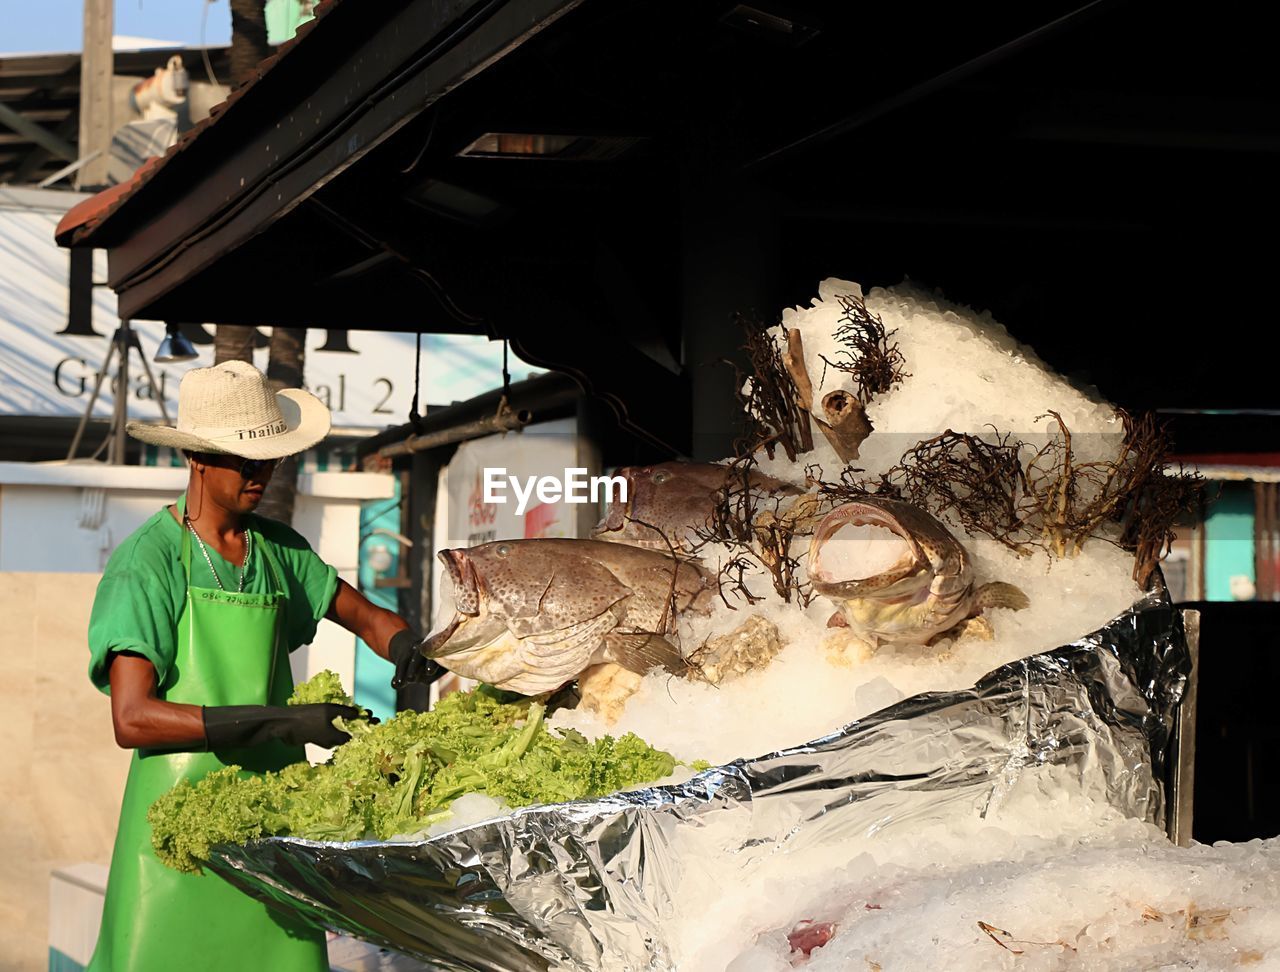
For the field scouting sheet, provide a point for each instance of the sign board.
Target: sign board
(546, 449)
(48, 368)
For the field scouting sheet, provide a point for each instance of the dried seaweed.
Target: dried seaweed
(774, 532)
(732, 579)
(1046, 498)
(770, 398)
(874, 364)
(758, 531)
(1130, 500)
(980, 483)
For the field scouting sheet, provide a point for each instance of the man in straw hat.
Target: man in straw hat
(190, 634)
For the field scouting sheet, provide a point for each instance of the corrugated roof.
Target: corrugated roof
(82, 222)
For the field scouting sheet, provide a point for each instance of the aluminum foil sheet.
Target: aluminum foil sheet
(591, 885)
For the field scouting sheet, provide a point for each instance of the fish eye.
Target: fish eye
(661, 476)
(503, 549)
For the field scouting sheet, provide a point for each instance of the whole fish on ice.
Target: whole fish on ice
(673, 501)
(927, 590)
(530, 615)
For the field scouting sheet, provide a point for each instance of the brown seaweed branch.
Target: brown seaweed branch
(1046, 498)
(758, 530)
(1131, 500)
(770, 398)
(874, 364)
(981, 483)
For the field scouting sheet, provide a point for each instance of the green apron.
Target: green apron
(156, 919)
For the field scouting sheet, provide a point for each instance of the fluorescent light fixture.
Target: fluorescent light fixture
(532, 145)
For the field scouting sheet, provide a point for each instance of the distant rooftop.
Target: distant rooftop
(119, 42)
(44, 90)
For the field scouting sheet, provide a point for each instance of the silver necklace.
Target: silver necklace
(248, 549)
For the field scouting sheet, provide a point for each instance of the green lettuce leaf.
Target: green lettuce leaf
(401, 776)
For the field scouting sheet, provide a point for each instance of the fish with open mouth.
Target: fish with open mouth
(927, 591)
(531, 615)
(668, 504)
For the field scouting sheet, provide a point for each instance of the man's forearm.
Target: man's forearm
(383, 627)
(374, 625)
(142, 721)
(160, 725)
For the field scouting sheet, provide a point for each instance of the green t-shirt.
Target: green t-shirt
(143, 590)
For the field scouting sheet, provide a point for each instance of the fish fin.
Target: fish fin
(837, 621)
(999, 595)
(581, 636)
(641, 652)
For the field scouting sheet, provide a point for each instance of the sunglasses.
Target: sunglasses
(251, 467)
(248, 467)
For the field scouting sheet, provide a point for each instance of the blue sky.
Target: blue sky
(56, 25)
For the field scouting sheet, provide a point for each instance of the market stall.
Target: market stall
(867, 653)
(606, 186)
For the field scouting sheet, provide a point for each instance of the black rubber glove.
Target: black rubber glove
(239, 726)
(411, 664)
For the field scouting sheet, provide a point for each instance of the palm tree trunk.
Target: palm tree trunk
(284, 370)
(234, 342)
(249, 45)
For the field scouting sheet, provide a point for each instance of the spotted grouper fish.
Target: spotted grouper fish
(673, 501)
(531, 615)
(928, 590)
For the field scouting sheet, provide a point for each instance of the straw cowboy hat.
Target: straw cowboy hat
(230, 409)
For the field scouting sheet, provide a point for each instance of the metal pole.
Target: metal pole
(504, 422)
(151, 379)
(122, 396)
(93, 400)
(66, 170)
(97, 65)
(1181, 814)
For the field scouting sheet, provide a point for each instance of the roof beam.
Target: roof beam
(930, 86)
(39, 155)
(420, 54)
(37, 133)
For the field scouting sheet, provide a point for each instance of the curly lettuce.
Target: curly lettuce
(400, 777)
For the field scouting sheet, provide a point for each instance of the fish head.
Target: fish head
(508, 578)
(930, 561)
(466, 583)
(529, 613)
(492, 583)
(673, 501)
(531, 585)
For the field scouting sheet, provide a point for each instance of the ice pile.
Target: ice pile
(812, 689)
(1126, 901)
(1060, 881)
(966, 374)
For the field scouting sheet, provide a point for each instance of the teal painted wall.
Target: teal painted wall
(373, 674)
(61, 963)
(1228, 547)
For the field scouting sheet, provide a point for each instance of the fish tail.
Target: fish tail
(1000, 595)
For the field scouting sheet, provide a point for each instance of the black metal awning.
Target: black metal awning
(605, 182)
